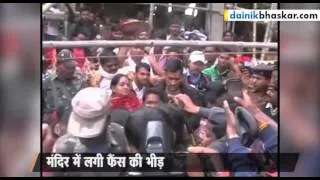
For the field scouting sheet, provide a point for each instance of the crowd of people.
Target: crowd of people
(209, 100)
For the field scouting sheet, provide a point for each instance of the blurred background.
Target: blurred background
(20, 87)
(299, 91)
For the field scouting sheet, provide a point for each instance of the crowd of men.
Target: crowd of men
(207, 100)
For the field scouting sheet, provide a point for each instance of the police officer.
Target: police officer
(61, 87)
(90, 129)
(258, 86)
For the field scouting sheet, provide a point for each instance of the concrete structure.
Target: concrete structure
(214, 21)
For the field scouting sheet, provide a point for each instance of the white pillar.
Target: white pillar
(214, 21)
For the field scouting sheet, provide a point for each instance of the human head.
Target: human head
(214, 121)
(89, 113)
(143, 73)
(228, 36)
(120, 85)
(92, 17)
(137, 54)
(143, 35)
(173, 53)
(197, 62)
(153, 97)
(210, 56)
(85, 14)
(260, 78)
(215, 90)
(224, 59)
(273, 89)
(66, 65)
(108, 61)
(173, 75)
(174, 29)
(245, 69)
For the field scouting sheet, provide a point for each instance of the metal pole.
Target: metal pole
(66, 24)
(151, 10)
(208, 22)
(254, 35)
(266, 35)
(234, 23)
(103, 43)
(269, 32)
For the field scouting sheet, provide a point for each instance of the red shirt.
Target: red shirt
(79, 55)
(243, 59)
(51, 54)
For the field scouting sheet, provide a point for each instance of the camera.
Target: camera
(155, 142)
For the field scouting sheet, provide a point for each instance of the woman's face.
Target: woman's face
(123, 87)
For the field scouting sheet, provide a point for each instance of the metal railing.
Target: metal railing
(104, 43)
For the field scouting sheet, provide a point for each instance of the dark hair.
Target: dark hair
(225, 50)
(174, 66)
(174, 49)
(158, 92)
(138, 120)
(143, 65)
(115, 80)
(106, 56)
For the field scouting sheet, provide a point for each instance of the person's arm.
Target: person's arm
(235, 68)
(155, 65)
(241, 164)
(254, 110)
(122, 55)
(269, 137)
(262, 117)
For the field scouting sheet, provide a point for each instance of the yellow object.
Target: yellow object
(263, 125)
(225, 15)
(94, 78)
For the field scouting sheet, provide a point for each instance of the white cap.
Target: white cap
(197, 56)
(89, 111)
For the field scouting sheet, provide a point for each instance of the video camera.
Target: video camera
(155, 141)
(154, 130)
